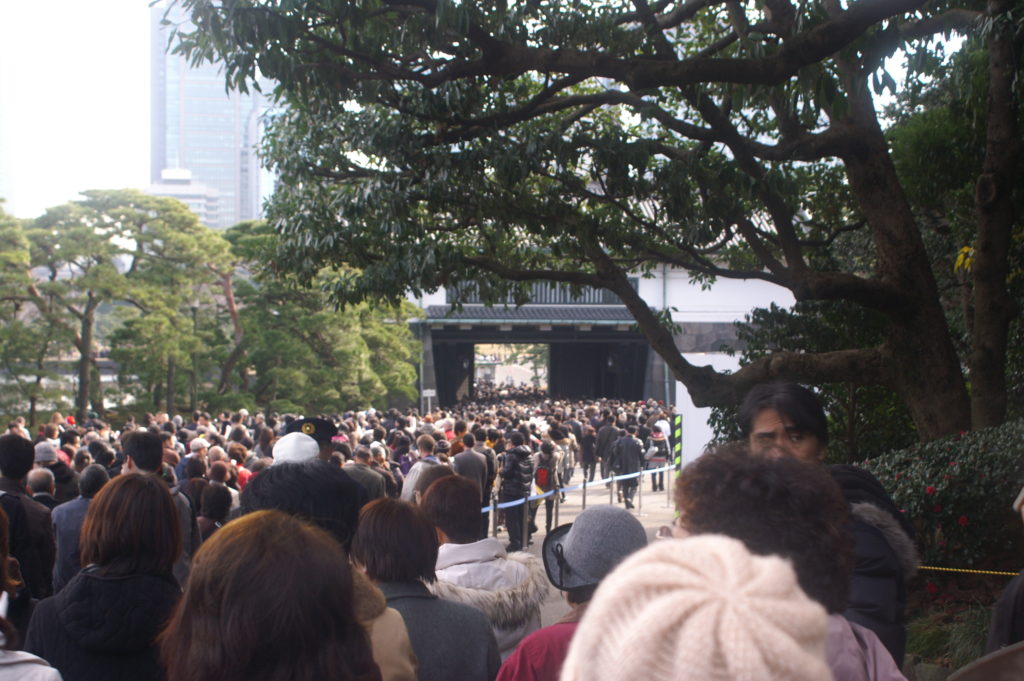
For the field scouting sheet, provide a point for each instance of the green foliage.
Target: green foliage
(863, 420)
(958, 492)
(949, 637)
(487, 144)
(305, 355)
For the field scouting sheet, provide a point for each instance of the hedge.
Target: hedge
(958, 493)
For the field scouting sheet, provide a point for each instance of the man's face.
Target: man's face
(775, 435)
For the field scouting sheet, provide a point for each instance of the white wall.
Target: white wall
(727, 300)
(696, 431)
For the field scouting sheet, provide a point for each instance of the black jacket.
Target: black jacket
(103, 628)
(517, 473)
(627, 455)
(884, 557)
(66, 480)
(32, 520)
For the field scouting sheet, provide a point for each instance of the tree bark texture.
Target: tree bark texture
(992, 305)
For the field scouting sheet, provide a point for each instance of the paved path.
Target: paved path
(653, 509)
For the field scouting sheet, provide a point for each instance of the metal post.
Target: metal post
(526, 522)
(671, 475)
(494, 514)
(612, 488)
(558, 502)
(584, 491)
(640, 495)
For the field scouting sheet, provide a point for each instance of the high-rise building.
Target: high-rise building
(199, 127)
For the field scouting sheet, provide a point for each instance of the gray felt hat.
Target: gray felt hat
(582, 553)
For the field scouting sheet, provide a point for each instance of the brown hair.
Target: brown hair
(774, 506)
(395, 542)
(269, 598)
(132, 527)
(453, 505)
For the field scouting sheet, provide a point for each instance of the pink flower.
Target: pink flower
(963, 521)
(929, 489)
(937, 508)
(952, 463)
(932, 588)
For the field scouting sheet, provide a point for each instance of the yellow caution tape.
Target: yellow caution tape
(972, 572)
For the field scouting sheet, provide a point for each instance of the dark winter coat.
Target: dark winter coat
(517, 473)
(627, 455)
(34, 521)
(66, 481)
(606, 438)
(884, 557)
(588, 445)
(1008, 617)
(103, 628)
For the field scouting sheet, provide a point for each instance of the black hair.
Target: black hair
(315, 491)
(16, 456)
(91, 480)
(145, 449)
(774, 506)
(101, 453)
(789, 399)
(215, 502)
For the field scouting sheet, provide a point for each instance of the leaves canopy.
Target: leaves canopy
(427, 143)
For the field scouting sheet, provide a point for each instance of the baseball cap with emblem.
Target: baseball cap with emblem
(320, 430)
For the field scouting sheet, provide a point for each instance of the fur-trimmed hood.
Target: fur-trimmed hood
(902, 545)
(486, 585)
(369, 602)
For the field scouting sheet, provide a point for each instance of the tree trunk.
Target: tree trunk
(172, 366)
(993, 306)
(84, 343)
(227, 286)
(96, 387)
(923, 366)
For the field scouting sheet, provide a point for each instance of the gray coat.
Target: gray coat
(471, 464)
(451, 640)
(67, 524)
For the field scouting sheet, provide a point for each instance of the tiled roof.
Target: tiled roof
(574, 314)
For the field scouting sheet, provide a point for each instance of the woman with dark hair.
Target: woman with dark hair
(103, 624)
(396, 546)
(225, 630)
(264, 444)
(214, 510)
(193, 488)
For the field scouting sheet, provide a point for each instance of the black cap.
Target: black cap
(320, 430)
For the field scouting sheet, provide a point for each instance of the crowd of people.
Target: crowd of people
(360, 546)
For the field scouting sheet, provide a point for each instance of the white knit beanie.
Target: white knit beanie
(700, 608)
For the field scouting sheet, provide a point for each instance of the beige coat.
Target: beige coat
(392, 649)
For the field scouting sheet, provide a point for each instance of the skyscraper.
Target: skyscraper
(200, 128)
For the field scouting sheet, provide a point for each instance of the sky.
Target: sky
(74, 100)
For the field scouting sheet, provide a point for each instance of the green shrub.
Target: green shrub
(949, 638)
(958, 492)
